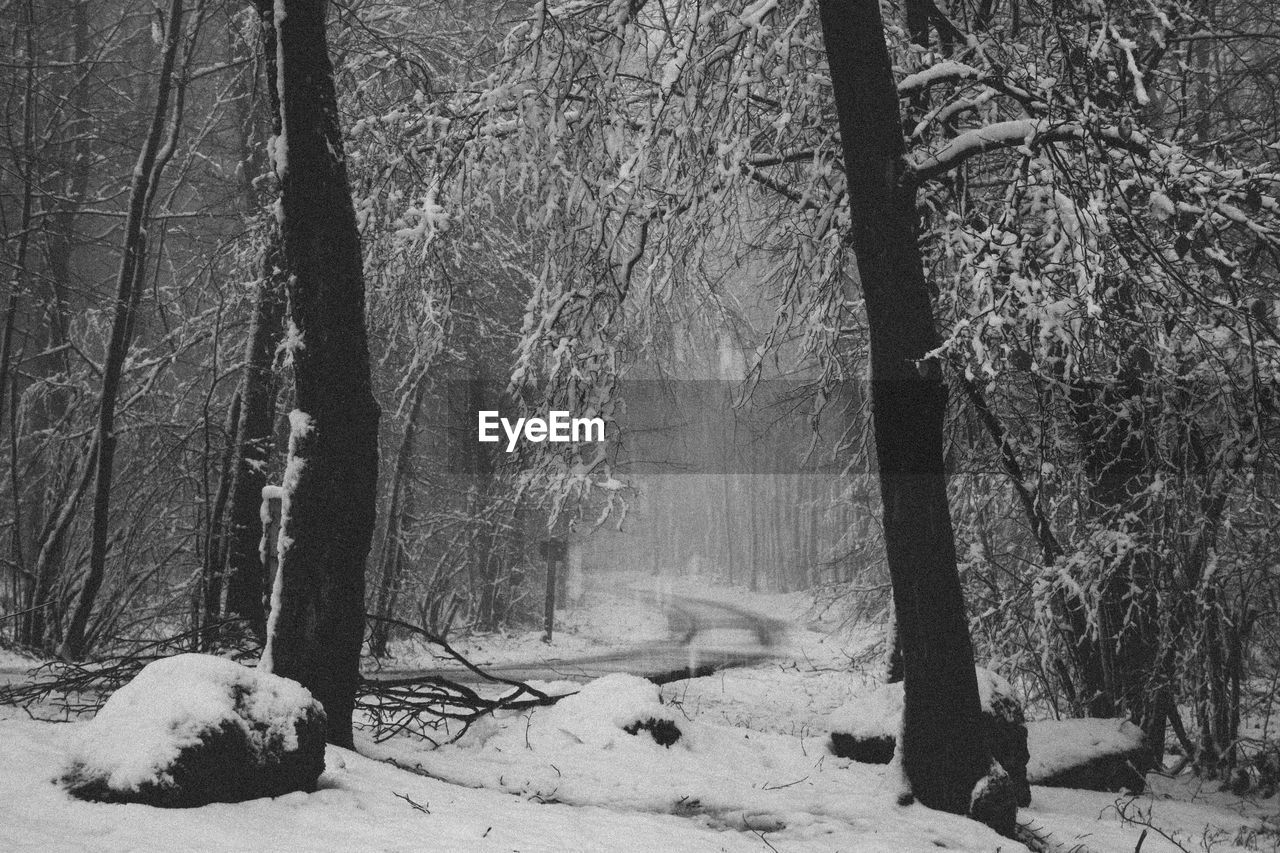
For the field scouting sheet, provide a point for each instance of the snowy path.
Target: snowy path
(661, 662)
(710, 636)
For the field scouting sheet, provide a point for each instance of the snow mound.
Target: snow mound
(193, 729)
(614, 705)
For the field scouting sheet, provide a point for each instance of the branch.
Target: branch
(1031, 133)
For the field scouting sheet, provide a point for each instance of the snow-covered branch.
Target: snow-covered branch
(1019, 133)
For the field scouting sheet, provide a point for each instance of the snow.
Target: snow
(358, 807)
(422, 223)
(1021, 134)
(722, 776)
(292, 341)
(279, 147)
(945, 70)
(877, 711)
(599, 712)
(269, 494)
(991, 685)
(170, 705)
(300, 426)
(1056, 745)
(13, 660)
(750, 771)
(1194, 819)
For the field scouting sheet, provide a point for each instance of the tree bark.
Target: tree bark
(942, 760)
(329, 500)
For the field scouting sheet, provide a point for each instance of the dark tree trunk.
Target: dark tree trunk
(146, 177)
(237, 564)
(8, 389)
(942, 759)
(254, 440)
(493, 600)
(391, 559)
(208, 604)
(330, 482)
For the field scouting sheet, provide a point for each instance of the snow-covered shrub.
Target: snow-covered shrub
(196, 729)
(1095, 754)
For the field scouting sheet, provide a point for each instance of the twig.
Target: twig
(417, 807)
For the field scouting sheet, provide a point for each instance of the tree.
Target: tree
(942, 760)
(157, 149)
(246, 474)
(316, 625)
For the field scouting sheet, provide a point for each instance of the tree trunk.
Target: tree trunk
(330, 484)
(941, 758)
(146, 176)
(207, 605)
(19, 282)
(239, 529)
(392, 556)
(254, 439)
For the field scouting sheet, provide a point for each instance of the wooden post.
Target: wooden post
(553, 550)
(549, 613)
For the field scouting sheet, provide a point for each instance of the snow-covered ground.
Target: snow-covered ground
(12, 661)
(750, 771)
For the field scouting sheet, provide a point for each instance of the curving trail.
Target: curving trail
(751, 638)
(705, 636)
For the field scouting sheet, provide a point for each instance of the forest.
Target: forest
(945, 332)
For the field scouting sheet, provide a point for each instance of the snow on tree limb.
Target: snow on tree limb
(948, 71)
(1019, 133)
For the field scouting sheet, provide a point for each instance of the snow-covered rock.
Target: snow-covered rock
(866, 728)
(196, 729)
(1094, 754)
